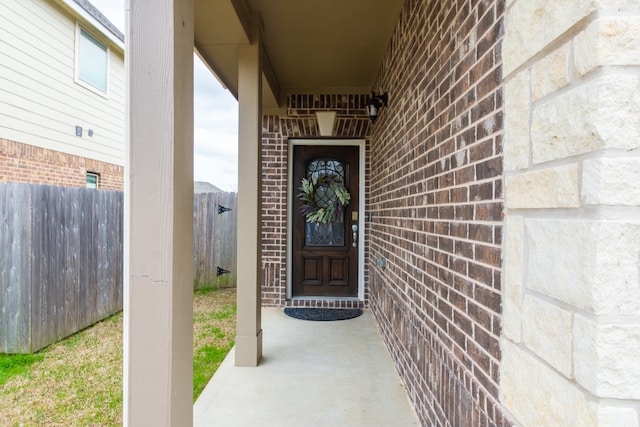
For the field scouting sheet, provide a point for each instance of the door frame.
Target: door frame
(291, 192)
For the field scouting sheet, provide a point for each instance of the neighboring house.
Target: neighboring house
(62, 93)
(497, 197)
(205, 187)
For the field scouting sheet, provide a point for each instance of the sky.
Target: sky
(215, 153)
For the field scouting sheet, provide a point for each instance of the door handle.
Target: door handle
(354, 228)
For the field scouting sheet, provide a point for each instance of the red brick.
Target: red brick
(27, 163)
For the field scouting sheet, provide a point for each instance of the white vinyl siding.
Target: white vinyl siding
(41, 102)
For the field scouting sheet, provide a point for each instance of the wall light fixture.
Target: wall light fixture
(374, 104)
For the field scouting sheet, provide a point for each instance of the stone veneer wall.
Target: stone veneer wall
(28, 163)
(437, 201)
(571, 345)
(298, 122)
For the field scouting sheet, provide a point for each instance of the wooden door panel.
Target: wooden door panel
(338, 271)
(312, 271)
(324, 261)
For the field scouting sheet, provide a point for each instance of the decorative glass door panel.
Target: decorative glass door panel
(332, 233)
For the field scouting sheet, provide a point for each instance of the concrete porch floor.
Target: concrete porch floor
(312, 374)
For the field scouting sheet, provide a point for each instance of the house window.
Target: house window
(92, 61)
(93, 179)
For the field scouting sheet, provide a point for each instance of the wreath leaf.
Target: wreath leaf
(310, 207)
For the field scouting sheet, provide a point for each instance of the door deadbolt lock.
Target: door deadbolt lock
(354, 228)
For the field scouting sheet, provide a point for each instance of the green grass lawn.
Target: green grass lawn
(213, 334)
(78, 381)
(16, 364)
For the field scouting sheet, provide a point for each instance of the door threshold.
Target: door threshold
(325, 302)
(326, 298)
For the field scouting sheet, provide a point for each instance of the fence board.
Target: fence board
(101, 254)
(81, 248)
(204, 232)
(118, 214)
(67, 279)
(92, 255)
(39, 243)
(76, 254)
(24, 238)
(51, 282)
(17, 320)
(4, 272)
(57, 270)
(11, 289)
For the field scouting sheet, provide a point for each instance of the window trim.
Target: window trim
(96, 175)
(77, 79)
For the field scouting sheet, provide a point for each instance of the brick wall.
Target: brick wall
(299, 122)
(436, 195)
(27, 163)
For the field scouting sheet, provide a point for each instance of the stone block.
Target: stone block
(611, 181)
(551, 73)
(561, 254)
(615, 416)
(531, 25)
(616, 283)
(513, 274)
(537, 395)
(591, 265)
(609, 40)
(547, 330)
(606, 358)
(549, 188)
(628, 6)
(602, 113)
(516, 122)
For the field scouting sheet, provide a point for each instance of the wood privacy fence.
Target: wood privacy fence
(60, 262)
(215, 221)
(61, 258)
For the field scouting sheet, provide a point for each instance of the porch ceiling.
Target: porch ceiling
(311, 45)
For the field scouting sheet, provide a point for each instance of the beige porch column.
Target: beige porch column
(249, 329)
(158, 278)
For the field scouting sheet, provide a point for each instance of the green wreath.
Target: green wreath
(319, 207)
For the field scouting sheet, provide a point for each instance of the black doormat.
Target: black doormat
(322, 314)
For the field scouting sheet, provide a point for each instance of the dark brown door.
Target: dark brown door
(325, 255)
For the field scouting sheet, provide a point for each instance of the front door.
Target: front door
(325, 254)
